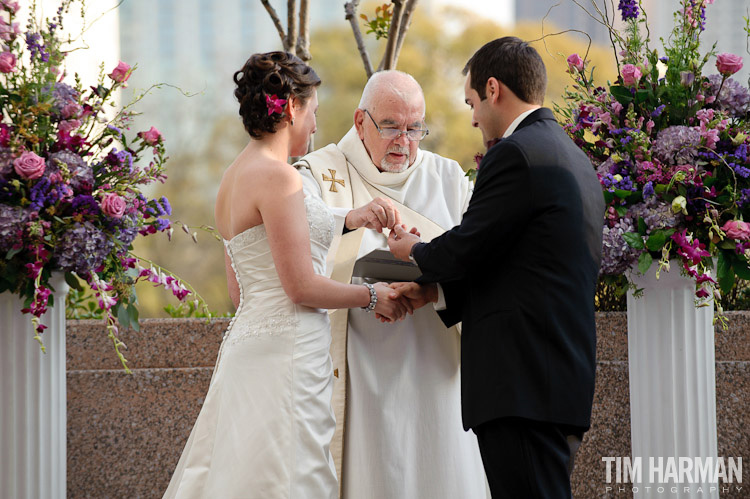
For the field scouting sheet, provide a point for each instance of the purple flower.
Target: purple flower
(85, 205)
(628, 9)
(12, 221)
(686, 78)
(648, 190)
(162, 224)
(657, 112)
(62, 95)
(167, 208)
(676, 145)
(119, 159)
(655, 213)
(128, 229)
(744, 198)
(617, 255)
(81, 174)
(734, 97)
(82, 248)
(6, 163)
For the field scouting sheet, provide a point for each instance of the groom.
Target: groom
(520, 271)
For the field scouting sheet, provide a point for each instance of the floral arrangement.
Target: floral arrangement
(71, 180)
(670, 147)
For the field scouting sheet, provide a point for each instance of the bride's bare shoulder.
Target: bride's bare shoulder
(260, 174)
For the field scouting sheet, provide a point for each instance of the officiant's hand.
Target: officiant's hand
(390, 309)
(400, 242)
(376, 215)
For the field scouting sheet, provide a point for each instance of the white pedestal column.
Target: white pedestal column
(672, 378)
(32, 401)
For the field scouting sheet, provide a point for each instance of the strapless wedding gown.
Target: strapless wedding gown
(266, 424)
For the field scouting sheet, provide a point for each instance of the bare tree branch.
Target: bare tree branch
(291, 25)
(405, 23)
(303, 42)
(390, 48)
(350, 8)
(276, 22)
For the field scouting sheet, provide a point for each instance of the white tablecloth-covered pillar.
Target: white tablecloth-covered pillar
(672, 377)
(32, 401)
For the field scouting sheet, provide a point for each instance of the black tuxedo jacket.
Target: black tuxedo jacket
(520, 272)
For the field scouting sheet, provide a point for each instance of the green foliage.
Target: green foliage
(381, 23)
(82, 304)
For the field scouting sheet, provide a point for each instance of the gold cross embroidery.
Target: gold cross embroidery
(333, 180)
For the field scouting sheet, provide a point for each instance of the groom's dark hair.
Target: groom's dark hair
(512, 61)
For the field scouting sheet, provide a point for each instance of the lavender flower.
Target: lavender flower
(85, 205)
(656, 214)
(744, 198)
(36, 48)
(166, 206)
(128, 230)
(628, 9)
(12, 221)
(648, 190)
(81, 174)
(617, 255)
(82, 248)
(676, 145)
(62, 95)
(657, 112)
(734, 97)
(6, 163)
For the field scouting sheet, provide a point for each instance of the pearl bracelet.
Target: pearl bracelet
(373, 298)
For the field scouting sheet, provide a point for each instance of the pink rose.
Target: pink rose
(575, 62)
(121, 73)
(29, 165)
(113, 206)
(735, 229)
(630, 75)
(150, 137)
(728, 64)
(7, 62)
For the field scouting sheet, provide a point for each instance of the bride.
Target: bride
(266, 424)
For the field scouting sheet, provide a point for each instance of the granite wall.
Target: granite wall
(126, 432)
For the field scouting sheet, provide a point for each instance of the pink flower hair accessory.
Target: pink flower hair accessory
(274, 104)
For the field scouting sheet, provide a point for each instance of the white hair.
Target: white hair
(393, 81)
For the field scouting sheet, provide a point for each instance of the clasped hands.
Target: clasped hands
(397, 299)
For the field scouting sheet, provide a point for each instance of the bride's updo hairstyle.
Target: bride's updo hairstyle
(264, 75)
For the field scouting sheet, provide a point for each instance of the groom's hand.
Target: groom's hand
(376, 215)
(400, 242)
(418, 295)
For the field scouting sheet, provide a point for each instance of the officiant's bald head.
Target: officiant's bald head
(390, 100)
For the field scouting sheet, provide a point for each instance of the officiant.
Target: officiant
(398, 408)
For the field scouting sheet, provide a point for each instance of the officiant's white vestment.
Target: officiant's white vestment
(404, 437)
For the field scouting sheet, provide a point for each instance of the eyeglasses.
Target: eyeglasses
(394, 133)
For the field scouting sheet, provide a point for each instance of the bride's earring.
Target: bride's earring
(292, 123)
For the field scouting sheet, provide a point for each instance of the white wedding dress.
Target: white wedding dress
(266, 424)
